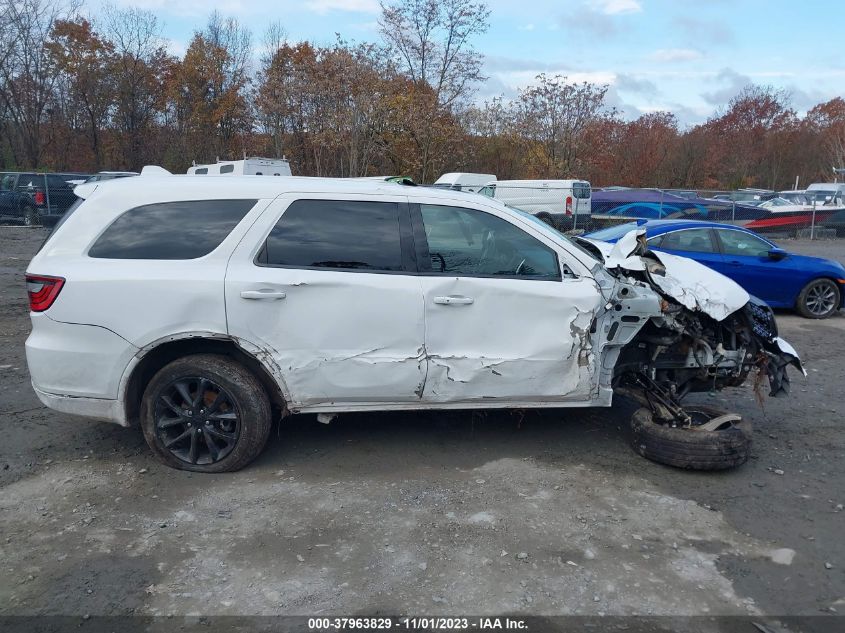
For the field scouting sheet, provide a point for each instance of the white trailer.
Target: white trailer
(253, 166)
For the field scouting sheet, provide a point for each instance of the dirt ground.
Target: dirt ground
(454, 513)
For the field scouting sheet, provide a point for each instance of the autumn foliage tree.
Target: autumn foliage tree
(87, 92)
(85, 61)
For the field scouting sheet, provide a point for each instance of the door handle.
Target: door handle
(454, 300)
(271, 295)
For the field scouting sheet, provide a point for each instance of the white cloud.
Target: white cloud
(615, 7)
(358, 6)
(675, 55)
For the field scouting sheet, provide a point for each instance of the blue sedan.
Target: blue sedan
(813, 286)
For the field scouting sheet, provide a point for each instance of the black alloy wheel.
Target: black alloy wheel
(197, 420)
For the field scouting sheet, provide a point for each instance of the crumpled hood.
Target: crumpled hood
(691, 284)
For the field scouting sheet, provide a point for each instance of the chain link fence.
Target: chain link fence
(36, 199)
(813, 215)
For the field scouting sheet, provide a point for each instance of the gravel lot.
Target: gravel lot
(550, 513)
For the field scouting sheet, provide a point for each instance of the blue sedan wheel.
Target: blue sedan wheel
(819, 299)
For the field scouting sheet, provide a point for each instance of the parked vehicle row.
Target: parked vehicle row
(36, 198)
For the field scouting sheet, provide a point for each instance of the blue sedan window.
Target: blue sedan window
(742, 243)
(693, 240)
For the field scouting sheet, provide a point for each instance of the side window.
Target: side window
(581, 190)
(654, 242)
(170, 230)
(692, 240)
(488, 190)
(474, 243)
(201, 171)
(741, 243)
(56, 182)
(28, 182)
(336, 234)
(227, 169)
(7, 183)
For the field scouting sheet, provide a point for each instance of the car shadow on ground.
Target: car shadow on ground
(392, 444)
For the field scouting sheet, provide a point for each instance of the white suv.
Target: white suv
(198, 306)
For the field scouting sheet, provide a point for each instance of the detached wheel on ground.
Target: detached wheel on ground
(205, 413)
(819, 299)
(727, 446)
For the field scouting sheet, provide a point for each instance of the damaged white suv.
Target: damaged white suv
(201, 308)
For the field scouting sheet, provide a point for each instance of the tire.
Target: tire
(547, 218)
(239, 420)
(30, 217)
(819, 299)
(689, 448)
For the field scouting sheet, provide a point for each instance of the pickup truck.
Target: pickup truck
(33, 199)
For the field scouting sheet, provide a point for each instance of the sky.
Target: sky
(685, 56)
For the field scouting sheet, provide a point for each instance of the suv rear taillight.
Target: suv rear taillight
(568, 205)
(43, 291)
(39, 198)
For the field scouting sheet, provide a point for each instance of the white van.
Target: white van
(460, 181)
(253, 166)
(558, 202)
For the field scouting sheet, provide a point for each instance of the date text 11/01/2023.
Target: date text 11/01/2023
(416, 624)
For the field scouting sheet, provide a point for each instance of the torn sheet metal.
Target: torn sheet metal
(786, 348)
(691, 284)
(519, 339)
(333, 337)
(698, 287)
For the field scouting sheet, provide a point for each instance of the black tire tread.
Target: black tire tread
(257, 417)
(691, 449)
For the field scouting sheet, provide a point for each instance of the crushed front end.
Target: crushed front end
(692, 330)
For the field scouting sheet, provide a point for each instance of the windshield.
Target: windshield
(822, 194)
(775, 202)
(547, 227)
(613, 232)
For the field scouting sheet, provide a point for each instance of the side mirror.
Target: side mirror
(777, 254)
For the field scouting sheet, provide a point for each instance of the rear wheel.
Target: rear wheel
(547, 218)
(692, 448)
(819, 299)
(205, 413)
(30, 217)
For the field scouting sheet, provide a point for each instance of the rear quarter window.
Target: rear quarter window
(170, 230)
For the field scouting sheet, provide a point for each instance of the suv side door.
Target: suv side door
(505, 319)
(8, 197)
(326, 286)
(747, 261)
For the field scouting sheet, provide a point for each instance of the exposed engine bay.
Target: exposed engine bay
(701, 339)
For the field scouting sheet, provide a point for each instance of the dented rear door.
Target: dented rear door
(503, 319)
(324, 286)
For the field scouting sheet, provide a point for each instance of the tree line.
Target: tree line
(84, 94)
